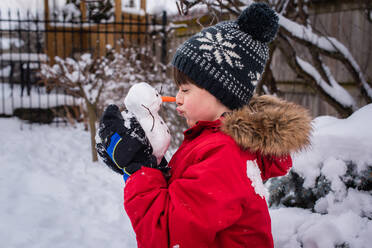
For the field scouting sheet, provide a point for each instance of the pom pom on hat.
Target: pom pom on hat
(259, 21)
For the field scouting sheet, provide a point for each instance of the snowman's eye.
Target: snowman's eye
(157, 94)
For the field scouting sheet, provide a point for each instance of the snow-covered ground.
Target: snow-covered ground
(52, 195)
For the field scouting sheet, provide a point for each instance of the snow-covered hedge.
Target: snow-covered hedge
(333, 177)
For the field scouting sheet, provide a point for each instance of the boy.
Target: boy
(214, 196)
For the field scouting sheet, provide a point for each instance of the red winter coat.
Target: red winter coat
(210, 199)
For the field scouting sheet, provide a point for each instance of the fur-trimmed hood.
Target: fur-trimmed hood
(269, 125)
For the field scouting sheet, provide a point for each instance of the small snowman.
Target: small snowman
(143, 101)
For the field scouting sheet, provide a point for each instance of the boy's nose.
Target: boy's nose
(178, 99)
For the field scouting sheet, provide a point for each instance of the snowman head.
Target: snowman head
(141, 99)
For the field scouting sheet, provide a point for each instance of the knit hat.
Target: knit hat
(228, 59)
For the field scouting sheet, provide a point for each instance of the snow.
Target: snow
(78, 75)
(346, 53)
(35, 100)
(305, 33)
(71, 10)
(23, 57)
(337, 139)
(333, 169)
(22, 5)
(283, 11)
(254, 174)
(158, 6)
(5, 71)
(52, 195)
(336, 91)
(359, 202)
(295, 227)
(7, 43)
(134, 11)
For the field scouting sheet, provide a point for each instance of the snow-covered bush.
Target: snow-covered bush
(338, 162)
(85, 77)
(332, 178)
(289, 191)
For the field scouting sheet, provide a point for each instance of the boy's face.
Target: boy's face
(196, 104)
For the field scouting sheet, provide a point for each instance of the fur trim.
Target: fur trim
(269, 125)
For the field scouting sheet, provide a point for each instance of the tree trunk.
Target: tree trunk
(268, 77)
(92, 116)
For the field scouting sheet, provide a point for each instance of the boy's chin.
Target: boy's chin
(190, 123)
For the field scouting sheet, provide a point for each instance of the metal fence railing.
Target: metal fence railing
(28, 40)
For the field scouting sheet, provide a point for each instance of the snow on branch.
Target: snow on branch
(334, 90)
(304, 33)
(85, 76)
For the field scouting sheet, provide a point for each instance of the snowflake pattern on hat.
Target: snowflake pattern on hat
(220, 48)
(254, 78)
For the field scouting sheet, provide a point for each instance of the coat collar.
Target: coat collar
(269, 125)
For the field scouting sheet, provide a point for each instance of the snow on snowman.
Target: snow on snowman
(143, 101)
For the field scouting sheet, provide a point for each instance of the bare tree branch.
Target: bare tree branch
(268, 76)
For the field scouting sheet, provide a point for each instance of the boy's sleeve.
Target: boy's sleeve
(274, 166)
(191, 210)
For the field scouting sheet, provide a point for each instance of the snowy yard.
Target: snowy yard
(52, 195)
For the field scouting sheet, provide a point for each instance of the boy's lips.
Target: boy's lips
(180, 112)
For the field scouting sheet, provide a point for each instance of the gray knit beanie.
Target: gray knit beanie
(228, 59)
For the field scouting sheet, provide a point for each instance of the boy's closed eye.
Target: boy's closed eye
(184, 89)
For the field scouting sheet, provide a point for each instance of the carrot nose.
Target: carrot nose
(168, 99)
